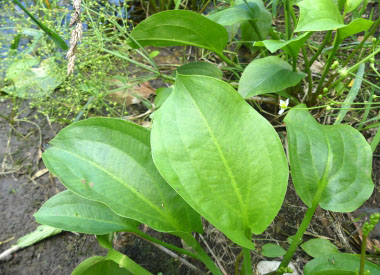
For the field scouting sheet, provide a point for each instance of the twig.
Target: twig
(213, 254)
(76, 36)
(6, 255)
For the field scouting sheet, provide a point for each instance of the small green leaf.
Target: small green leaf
(351, 5)
(291, 47)
(162, 95)
(42, 232)
(321, 15)
(338, 264)
(271, 250)
(330, 164)
(109, 161)
(178, 28)
(319, 247)
(71, 212)
(200, 68)
(356, 26)
(236, 14)
(233, 173)
(267, 75)
(98, 265)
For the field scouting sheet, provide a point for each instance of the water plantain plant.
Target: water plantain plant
(209, 153)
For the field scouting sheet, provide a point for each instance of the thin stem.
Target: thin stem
(153, 5)
(227, 60)
(288, 23)
(362, 254)
(247, 265)
(205, 6)
(237, 262)
(252, 22)
(321, 47)
(308, 71)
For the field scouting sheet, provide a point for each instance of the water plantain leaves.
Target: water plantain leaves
(330, 164)
(267, 75)
(351, 5)
(221, 156)
(338, 264)
(98, 265)
(180, 27)
(356, 26)
(109, 161)
(321, 15)
(200, 68)
(71, 212)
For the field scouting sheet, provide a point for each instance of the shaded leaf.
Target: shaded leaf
(162, 95)
(271, 250)
(124, 261)
(319, 247)
(200, 68)
(178, 28)
(267, 75)
(351, 5)
(237, 13)
(356, 26)
(338, 264)
(98, 265)
(321, 15)
(330, 164)
(109, 161)
(233, 173)
(71, 212)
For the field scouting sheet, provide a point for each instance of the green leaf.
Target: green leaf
(178, 28)
(351, 5)
(200, 68)
(42, 232)
(53, 35)
(319, 247)
(338, 264)
(356, 26)
(271, 250)
(162, 95)
(330, 164)
(233, 173)
(127, 263)
(236, 14)
(267, 75)
(109, 161)
(71, 212)
(291, 47)
(98, 265)
(30, 81)
(321, 15)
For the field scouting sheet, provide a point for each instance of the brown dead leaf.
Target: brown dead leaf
(40, 173)
(317, 67)
(132, 95)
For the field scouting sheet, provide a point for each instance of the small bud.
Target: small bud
(335, 65)
(343, 72)
(320, 96)
(328, 108)
(325, 90)
(374, 39)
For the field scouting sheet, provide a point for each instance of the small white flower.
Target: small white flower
(283, 106)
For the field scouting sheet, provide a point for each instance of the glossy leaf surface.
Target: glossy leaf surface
(356, 26)
(221, 156)
(178, 28)
(200, 68)
(71, 212)
(321, 15)
(338, 264)
(319, 247)
(267, 75)
(332, 162)
(109, 161)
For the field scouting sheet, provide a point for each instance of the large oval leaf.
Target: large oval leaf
(321, 15)
(180, 27)
(334, 161)
(356, 26)
(267, 75)
(71, 212)
(200, 68)
(221, 156)
(319, 247)
(338, 264)
(109, 161)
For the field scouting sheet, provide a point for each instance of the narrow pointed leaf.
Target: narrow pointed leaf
(71, 212)
(338, 264)
(356, 26)
(180, 27)
(42, 232)
(319, 247)
(334, 161)
(321, 15)
(109, 161)
(267, 75)
(221, 156)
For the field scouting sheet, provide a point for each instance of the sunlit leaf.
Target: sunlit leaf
(351, 5)
(267, 75)
(356, 26)
(330, 164)
(233, 173)
(109, 161)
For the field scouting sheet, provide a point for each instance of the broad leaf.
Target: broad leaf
(351, 5)
(200, 68)
(98, 265)
(71, 212)
(237, 13)
(109, 161)
(180, 27)
(162, 95)
(330, 164)
(338, 264)
(321, 15)
(221, 156)
(42, 232)
(267, 75)
(319, 247)
(291, 47)
(272, 250)
(356, 26)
